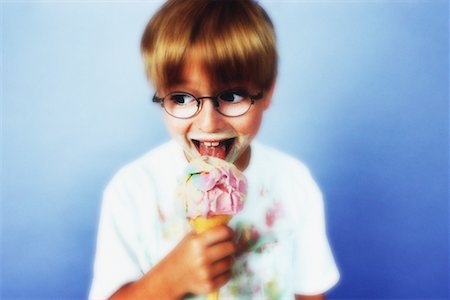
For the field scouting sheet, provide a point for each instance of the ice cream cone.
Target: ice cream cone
(213, 191)
(213, 296)
(202, 224)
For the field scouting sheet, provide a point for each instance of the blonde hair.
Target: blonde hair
(234, 40)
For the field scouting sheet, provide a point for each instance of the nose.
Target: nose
(209, 119)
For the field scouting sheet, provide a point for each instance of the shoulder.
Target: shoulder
(161, 155)
(275, 161)
(148, 170)
(285, 174)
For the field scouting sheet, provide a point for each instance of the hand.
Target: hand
(201, 263)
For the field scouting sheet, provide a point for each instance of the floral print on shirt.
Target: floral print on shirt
(254, 273)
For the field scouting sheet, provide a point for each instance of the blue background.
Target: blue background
(362, 99)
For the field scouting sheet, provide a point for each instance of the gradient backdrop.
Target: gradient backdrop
(362, 99)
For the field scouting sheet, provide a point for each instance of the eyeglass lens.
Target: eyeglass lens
(229, 103)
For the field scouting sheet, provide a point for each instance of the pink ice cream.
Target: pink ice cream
(212, 186)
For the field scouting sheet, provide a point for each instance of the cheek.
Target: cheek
(250, 124)
(176, 127)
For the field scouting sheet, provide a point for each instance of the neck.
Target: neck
(243, 161)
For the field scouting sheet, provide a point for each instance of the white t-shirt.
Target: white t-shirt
(282, 225)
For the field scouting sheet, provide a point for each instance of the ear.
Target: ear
(268, 95)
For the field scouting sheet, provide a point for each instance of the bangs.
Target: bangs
(234, 42)
(236, 50)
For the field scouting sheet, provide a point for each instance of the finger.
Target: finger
(217, 234)
(222, 266)
(220, 280)
(221, 250)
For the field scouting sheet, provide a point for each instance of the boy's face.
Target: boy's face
(209, 132)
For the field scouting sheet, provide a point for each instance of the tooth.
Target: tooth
(208, 144)
(214, 144)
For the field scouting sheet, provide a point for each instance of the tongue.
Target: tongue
(219, 151)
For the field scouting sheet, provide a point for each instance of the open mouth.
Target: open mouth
(219, 149)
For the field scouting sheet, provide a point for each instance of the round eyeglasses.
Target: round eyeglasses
(230, 103)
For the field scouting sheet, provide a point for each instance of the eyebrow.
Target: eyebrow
(179, 88)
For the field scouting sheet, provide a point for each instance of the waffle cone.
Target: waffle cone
(213, 296)
(202, 224)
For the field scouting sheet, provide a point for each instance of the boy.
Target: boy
(213, 65)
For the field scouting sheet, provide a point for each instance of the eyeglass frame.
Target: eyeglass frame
(214, 99)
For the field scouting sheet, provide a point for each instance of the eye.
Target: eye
(232, 96)
(182, 99)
